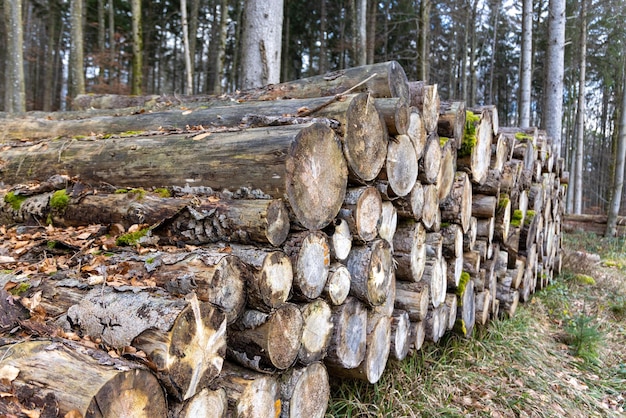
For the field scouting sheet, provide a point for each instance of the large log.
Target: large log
(305, 164)
(362, 209)
(317, 330)
(206, 403)
(389, 80)
(185, 339)
(396, 114)
(70, 380)
(430, 163)
(401, 166)
(267, 342)
(474, 155)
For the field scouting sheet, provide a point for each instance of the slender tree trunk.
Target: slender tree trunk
(262, 35)
(423, 41)
(77, 49)
(618, 179)
(494, 45)
(111, 18)
(580, 115)
(371, 31)
(137, 66)
(323, 65)
(526, 66)
(15, 95)
(101, 40)
(361, 32)
(553, 103)
(187, 55)
(193, 38)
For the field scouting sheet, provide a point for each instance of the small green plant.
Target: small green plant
(163, 192)
(516, 218)
(51, 244)
(15, 200)
(522, 137)
(19, 289)
(584, 337)
(469, 135)
(131, 238)
(463, 281)
(59, 200)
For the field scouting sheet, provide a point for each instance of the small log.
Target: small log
(267, 342)
(469, 238)
(447, 170)
(435, 323)
(185, 340)
(503, 218)
(452, 240)
(434, 245)
(337, 285)
(409, 250)
(413, 298)
(452, 305)
(362, 210)
(304, 392)
(371, 268)
(454, 271)
(457, 207)
(483, 306)
(378, 343)
(272, 276)
(474, 155)
(430, 211)
(484, 206)
(396, 113)
(317, 330)
(250, 394)
(500, 152)
(389, 81)
(401, 165)
(426, 98)
(347, 346)
(310, 256)
(341, 239)
(400, 335)
(435, 276)
(65, 379)
(418, 335)
(509, 299)
(238, 220)
(417, 132)
(491, 186)
(466, 313)
(485, 229)
(206, 403)
(451, 122)
(388, 221)
(430, 163)
(412, 206)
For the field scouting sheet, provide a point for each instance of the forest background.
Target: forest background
(472, 49)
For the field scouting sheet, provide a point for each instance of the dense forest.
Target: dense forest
(472, 49)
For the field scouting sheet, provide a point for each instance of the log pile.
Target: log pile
(228, 258)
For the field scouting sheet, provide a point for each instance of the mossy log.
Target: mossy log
(466, 313)
(474, 155)
(303, 164)
(451, 122)
(65, 379)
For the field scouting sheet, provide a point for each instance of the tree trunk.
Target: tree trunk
(66, 377)
(15, 96)
(303, 162)
(526, 64)
(137, 60)
(262, 39)
(580, 113)
(188, 52)
(77, 49)
(618, 176)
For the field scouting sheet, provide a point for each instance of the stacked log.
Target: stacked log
(309, 228)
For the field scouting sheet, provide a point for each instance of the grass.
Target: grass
(562, 354)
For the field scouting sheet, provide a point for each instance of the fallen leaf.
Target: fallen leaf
(201, 136)
(8, 372)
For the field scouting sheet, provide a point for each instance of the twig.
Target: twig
(336, 97)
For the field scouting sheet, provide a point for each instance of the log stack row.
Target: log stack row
(259, 244)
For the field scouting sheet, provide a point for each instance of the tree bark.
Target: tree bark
(83, 380)
(618, 177)
(413, 298)
(526, 64)
(426, 98)
(474, 155)
(15, 95)
(137, 59)
(305, 163)
(262, 41)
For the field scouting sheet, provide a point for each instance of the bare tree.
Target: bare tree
(526, 66)
(261, 39)
(553, 93)
(15, 95)
(77, 67)
(187, 52)
(361, 33)
(618, 178)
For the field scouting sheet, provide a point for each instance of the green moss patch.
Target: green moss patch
(59, 200)
(516, 218)
(469, 134)
(15, 200)
(463, 281)
(131, 238)
(163, 192)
